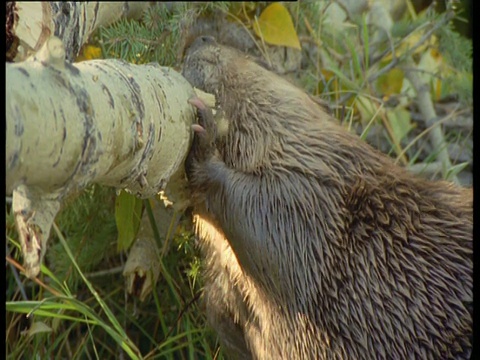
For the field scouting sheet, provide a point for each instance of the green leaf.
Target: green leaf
(38, 327)
(400, 122)
(128, 211)
(369, 111)
(275, 26)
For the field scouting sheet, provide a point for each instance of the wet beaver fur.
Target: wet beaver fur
(316, 245)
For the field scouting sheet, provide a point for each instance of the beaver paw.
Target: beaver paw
(205, 133)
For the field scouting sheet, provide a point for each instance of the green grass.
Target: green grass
(83, 316)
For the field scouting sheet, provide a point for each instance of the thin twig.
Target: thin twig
(425, 104)
(16, 276)
(99, 273)
(449, 15)
(36, 280)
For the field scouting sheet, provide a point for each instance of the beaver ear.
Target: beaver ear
(193, 43)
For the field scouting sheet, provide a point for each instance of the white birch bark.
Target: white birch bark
(71, 21)
(101, 121)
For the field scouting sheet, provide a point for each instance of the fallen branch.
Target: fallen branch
(102, 121)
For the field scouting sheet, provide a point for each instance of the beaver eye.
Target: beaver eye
(210, 59)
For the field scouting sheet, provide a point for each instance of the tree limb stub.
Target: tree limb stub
(34, 216)
(100, 121)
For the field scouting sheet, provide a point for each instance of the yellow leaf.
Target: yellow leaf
(411, 41)
(330, 79)
(391, 82)
(275, 26)
(89, 52)
(92, 52)
(438, 90)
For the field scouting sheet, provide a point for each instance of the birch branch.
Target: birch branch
(73, 22)
(101, 121)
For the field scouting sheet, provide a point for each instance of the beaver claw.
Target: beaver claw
(205, 132)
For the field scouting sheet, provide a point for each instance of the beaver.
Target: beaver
(316, 245)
